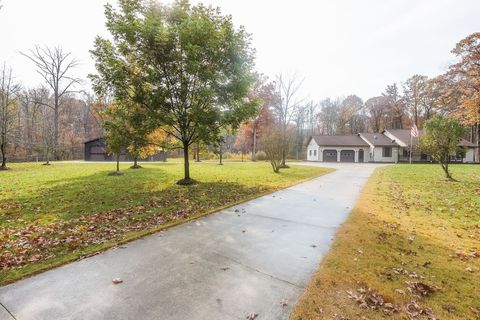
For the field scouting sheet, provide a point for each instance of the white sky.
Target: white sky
(339, 47)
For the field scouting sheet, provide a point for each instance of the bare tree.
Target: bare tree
(54, 66)
(377, 110)
(273, 145)
(415, 93)
(286, 107)
(396, 107)
(328, 116)
(312, 116)
(8, 112)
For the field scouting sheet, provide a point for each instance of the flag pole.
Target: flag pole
(410, 153)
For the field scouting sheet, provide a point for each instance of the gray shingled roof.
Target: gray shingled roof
(379, 140)
(341, 141)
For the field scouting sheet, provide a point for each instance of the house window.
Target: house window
(387, 152)
(405, 152)
(310, 152)
(314, 153)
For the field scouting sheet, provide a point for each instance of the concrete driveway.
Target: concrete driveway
(255, 258)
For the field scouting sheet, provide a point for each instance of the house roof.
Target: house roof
(378, 140)
(404, 136)
(466, 143)
(91, 140)
(341, 141)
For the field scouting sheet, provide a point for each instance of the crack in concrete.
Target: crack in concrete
(8, 311)
(259, 271)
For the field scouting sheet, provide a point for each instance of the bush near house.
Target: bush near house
(409, 250)
(52, 215)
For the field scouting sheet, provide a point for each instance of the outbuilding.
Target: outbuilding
(96, 150)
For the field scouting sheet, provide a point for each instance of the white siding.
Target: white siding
(313, 151)
(469, 155)
(377, 154)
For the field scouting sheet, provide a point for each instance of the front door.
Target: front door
(360, 155)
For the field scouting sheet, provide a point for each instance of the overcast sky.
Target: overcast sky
(339, 47)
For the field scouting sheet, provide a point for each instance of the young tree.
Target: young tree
(187, 66)
(440, 140)
(8, 110)
(117, 135)
(273, 145)
(155, 142)
(54, 66)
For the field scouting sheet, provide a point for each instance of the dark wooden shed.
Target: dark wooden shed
(96, 150)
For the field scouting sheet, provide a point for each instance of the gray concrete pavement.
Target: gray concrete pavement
(242, 260)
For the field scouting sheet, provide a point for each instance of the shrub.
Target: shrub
(261, 156)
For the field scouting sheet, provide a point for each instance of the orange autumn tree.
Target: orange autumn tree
(156, 142)
(465, 74)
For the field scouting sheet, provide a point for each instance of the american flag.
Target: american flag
(414, 131)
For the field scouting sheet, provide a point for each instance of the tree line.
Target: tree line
(50, 121)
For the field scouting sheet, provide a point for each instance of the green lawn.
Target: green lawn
(53, 214)
(409, 250)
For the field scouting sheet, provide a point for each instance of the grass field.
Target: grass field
(50, 215)
(409, 250)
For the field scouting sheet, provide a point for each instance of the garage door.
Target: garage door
(347, 156)
(330, 155)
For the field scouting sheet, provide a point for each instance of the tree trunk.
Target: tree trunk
(4, 157)
(475, 138)
(197, 152)
(446, 171)
(135, 163)
(55, 132)
(254, 147)
(118, 162)
(186, 167)
(221, 154)
(47, 157)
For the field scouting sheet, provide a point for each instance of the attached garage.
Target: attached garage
(347, 156)
(347, 148)
(330, 155)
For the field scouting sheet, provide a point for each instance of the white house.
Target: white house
(389, 146)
